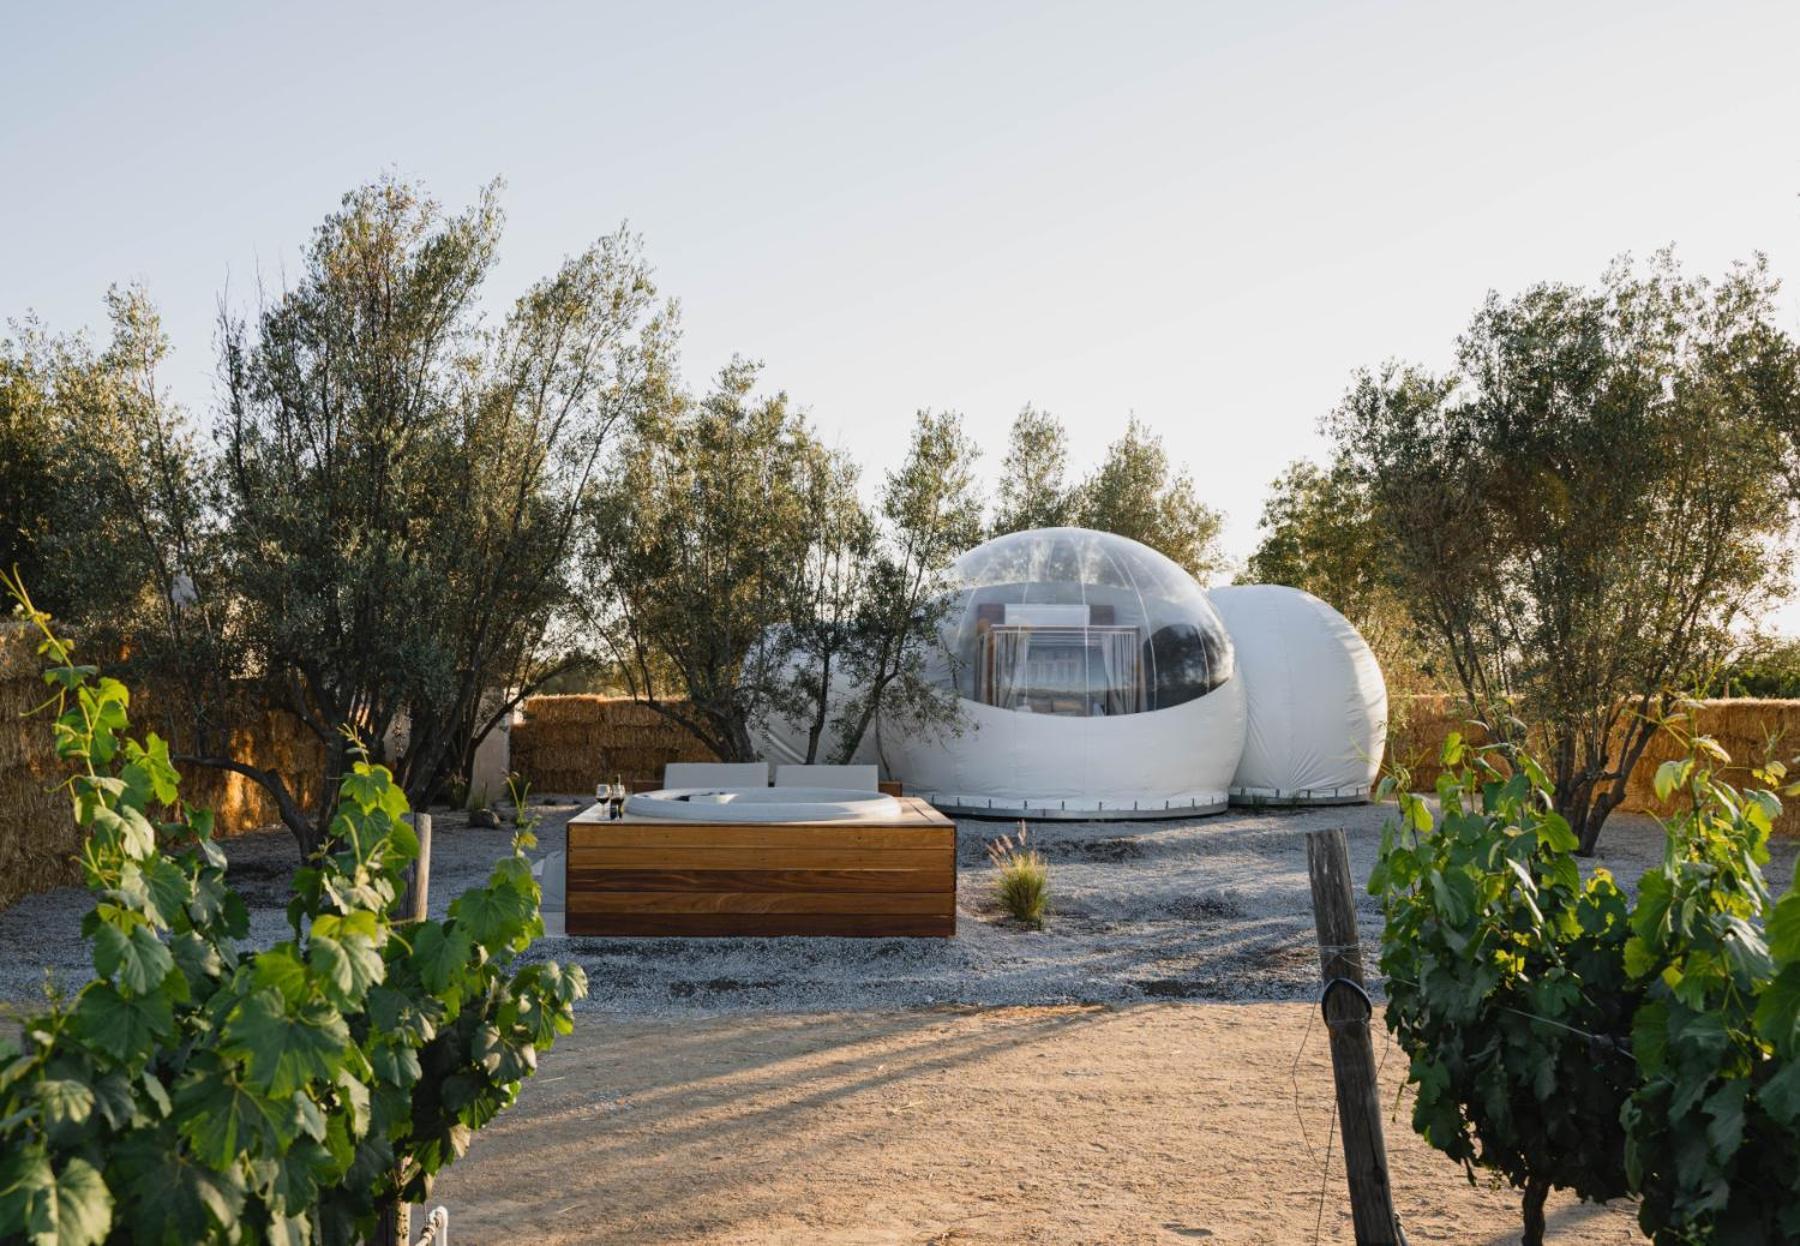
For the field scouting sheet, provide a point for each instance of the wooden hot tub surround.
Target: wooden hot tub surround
(639, 876)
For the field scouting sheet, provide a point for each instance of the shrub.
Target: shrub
(1499, 962)
(1714, 1127)
(1023, 886)
(195, 1091)
(1562, 1040)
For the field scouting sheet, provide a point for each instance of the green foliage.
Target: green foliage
(1578, 513)
(1135, 493)
(401, 481)
(1715, 1126)
(1561, 1038)
(1766, 667)
(1032, 491)
(1500, 964)
(28, 438)
(105, 554)
(930, 513)
(1022, 885)
(694, 549)
(828, 595)
(195, 1091)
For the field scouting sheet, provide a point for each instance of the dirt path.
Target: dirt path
(1152, 1123)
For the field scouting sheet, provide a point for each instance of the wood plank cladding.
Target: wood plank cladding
(641, 877)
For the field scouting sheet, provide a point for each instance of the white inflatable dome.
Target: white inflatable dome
(1317, 701)
(1095, 679)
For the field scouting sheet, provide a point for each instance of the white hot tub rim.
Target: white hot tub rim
(761, 804)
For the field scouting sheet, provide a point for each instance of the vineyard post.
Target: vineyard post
(418, 874)
(1345, 1004)
(393, 1225)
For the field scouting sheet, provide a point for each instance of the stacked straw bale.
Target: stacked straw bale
(1417, 733)
(262, 736)
(569, 743)
(1752, 731)
(40, 845)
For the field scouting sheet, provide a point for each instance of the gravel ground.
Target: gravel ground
(1202, 909)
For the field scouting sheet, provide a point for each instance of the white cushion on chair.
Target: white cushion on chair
(679, 774)
(859, 778)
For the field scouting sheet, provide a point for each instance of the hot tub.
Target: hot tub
(737, 862)
(762, 804)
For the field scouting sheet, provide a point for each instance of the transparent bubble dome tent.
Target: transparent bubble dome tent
(1096, 681)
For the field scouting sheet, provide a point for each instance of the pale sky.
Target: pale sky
(1206, 214)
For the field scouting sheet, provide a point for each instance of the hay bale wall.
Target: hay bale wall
(1416, 735)
(40, 845)
(570, 743)
(1752, 731)
(268, 738)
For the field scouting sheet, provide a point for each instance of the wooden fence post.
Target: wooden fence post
(418, 874)
(1347, 1011)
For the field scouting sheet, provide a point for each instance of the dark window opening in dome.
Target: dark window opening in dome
(1188, 663)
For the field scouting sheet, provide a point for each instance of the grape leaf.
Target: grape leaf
(1783, 928)
(47, 1208)
(494, 916)
(1780, 1095)
(64, 1102)
(285, 1051)
(280, 970)
(174, 1199)
(139, 959)
(440, 954)
(121, 1027)
(221, 1118)
(1778, 1013)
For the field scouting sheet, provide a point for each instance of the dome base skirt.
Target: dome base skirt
(964, 805)
(1265, 798)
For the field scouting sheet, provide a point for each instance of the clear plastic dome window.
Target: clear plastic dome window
(1077, 623)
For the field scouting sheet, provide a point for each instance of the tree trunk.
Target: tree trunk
(1537, 1189)
(1586, 827)
(393, 1224)
(819, 715)
(305, 830)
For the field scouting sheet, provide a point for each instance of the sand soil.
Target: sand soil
(1148, 1123)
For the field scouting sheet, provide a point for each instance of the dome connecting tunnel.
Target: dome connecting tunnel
(1095, 681)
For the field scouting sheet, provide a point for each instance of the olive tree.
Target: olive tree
(828, 595)
(692, 552)
(1577, 512)
(106, 510)
(930, 512)
(1319, 534)
(1033, 491)
(27, 466)
(401, 484)
(1134, 492)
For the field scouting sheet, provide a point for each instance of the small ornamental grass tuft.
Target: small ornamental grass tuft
(1023, 887)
